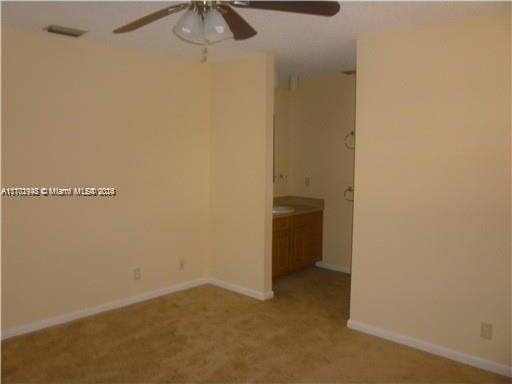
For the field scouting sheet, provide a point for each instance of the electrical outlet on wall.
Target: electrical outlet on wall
(182, 264)
(486, 331)
(136, 274)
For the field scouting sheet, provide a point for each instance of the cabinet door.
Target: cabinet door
(280, 252)
(317, 238)
(307, 240)
(302, 241)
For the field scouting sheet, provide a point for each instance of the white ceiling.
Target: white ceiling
(300, 43)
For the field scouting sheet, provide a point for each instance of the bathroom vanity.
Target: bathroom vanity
(296, 234)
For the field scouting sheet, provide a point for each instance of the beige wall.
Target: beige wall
(1, 200)
(281, 139)
(79, 114)
(431, 252)
(311, 124)
(82, 114)
(241, 171)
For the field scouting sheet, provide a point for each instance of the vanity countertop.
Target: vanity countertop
(300, 205)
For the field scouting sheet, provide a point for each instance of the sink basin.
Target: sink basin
(282, 209)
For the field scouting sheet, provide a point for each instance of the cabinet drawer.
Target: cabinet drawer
(309, 219)
(280, 223)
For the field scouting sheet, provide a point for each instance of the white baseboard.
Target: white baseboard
(242, 290)
(461, 357)
(37, 325)
(31, 327)
(332, 267)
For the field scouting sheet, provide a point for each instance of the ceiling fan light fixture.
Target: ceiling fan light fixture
(206, 22)
(190, 27)
(215, 27)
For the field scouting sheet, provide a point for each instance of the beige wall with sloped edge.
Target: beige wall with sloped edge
(77, 113)
(241, 171)
(431, 247)
(311, 124)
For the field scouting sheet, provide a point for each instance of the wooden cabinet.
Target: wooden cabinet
(281, 241)
(296, 242)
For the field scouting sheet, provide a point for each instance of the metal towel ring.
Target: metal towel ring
(351, 133)
(349, 190)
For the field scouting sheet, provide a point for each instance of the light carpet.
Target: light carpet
(208, 334)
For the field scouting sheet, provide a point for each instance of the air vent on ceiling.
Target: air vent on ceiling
(66, 31)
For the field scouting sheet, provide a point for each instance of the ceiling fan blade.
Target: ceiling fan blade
(150, 18)
(241, 29)
(320, 8)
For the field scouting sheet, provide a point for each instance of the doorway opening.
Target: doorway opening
(314, 146)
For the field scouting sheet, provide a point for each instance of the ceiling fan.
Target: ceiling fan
(209, 22)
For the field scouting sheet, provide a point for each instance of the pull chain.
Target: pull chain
(204, 57)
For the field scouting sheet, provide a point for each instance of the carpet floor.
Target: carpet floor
(207, 334)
